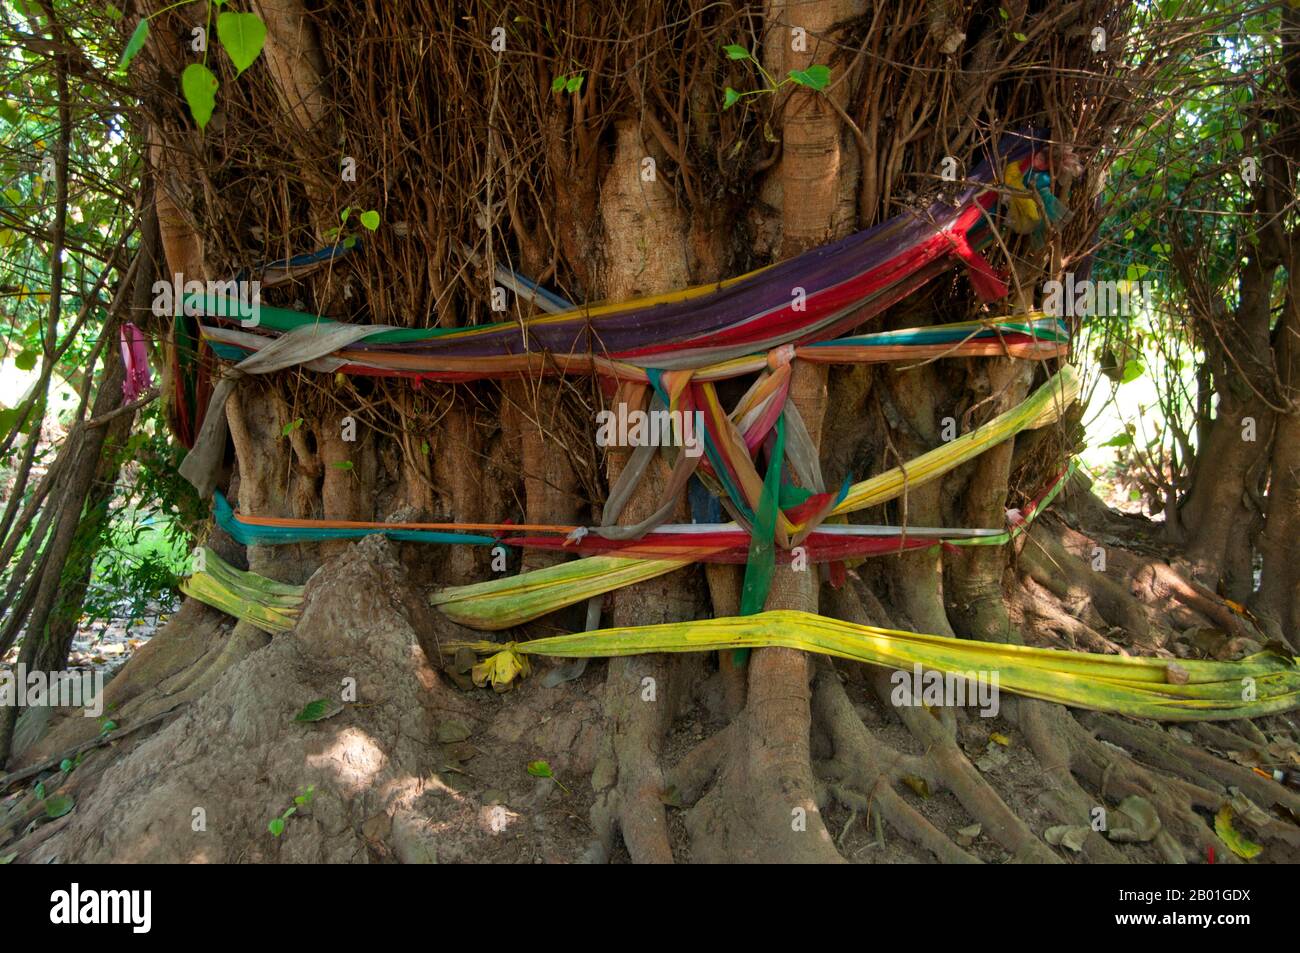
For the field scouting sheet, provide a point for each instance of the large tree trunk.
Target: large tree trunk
(779, 758)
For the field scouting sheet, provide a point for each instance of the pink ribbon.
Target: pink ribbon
(135, 358)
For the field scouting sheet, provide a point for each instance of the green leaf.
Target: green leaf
(343, 215)
(1132, 371)
(342, 465)
(26, 360)
(66, 765)
(540, 769)
(736, 52)
(1120, 440)
(1021, 37)
(1003, 13)
(200, 89)
(135, 44)
(557, 84)
(314, 711)
(370, 219)
(814, 77)
(1135, 271)
(40, 790)
(290, 427)
(574, 84)
(8, 858)
(242, 35)
(729, 98)
(106, 727)
(276, 827)
(57, 805)
(289, 813)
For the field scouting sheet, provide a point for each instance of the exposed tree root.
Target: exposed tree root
(950, 769)
(1068, 577)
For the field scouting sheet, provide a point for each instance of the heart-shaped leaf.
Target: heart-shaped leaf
(276, 827)
(370, 219)
(200, 89)
(242, 35)
(729, 98)
(814, 77)
(736, 52)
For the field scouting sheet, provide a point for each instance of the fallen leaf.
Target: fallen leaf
(1000, 738)
(500, 670)
(318, 710)
(1249, 758)
(461, 752)
(452, 732)
(1239, 845)
(993, 758)
(918, 785)
(56, 805)
(1063, 835)
(1136, 821)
